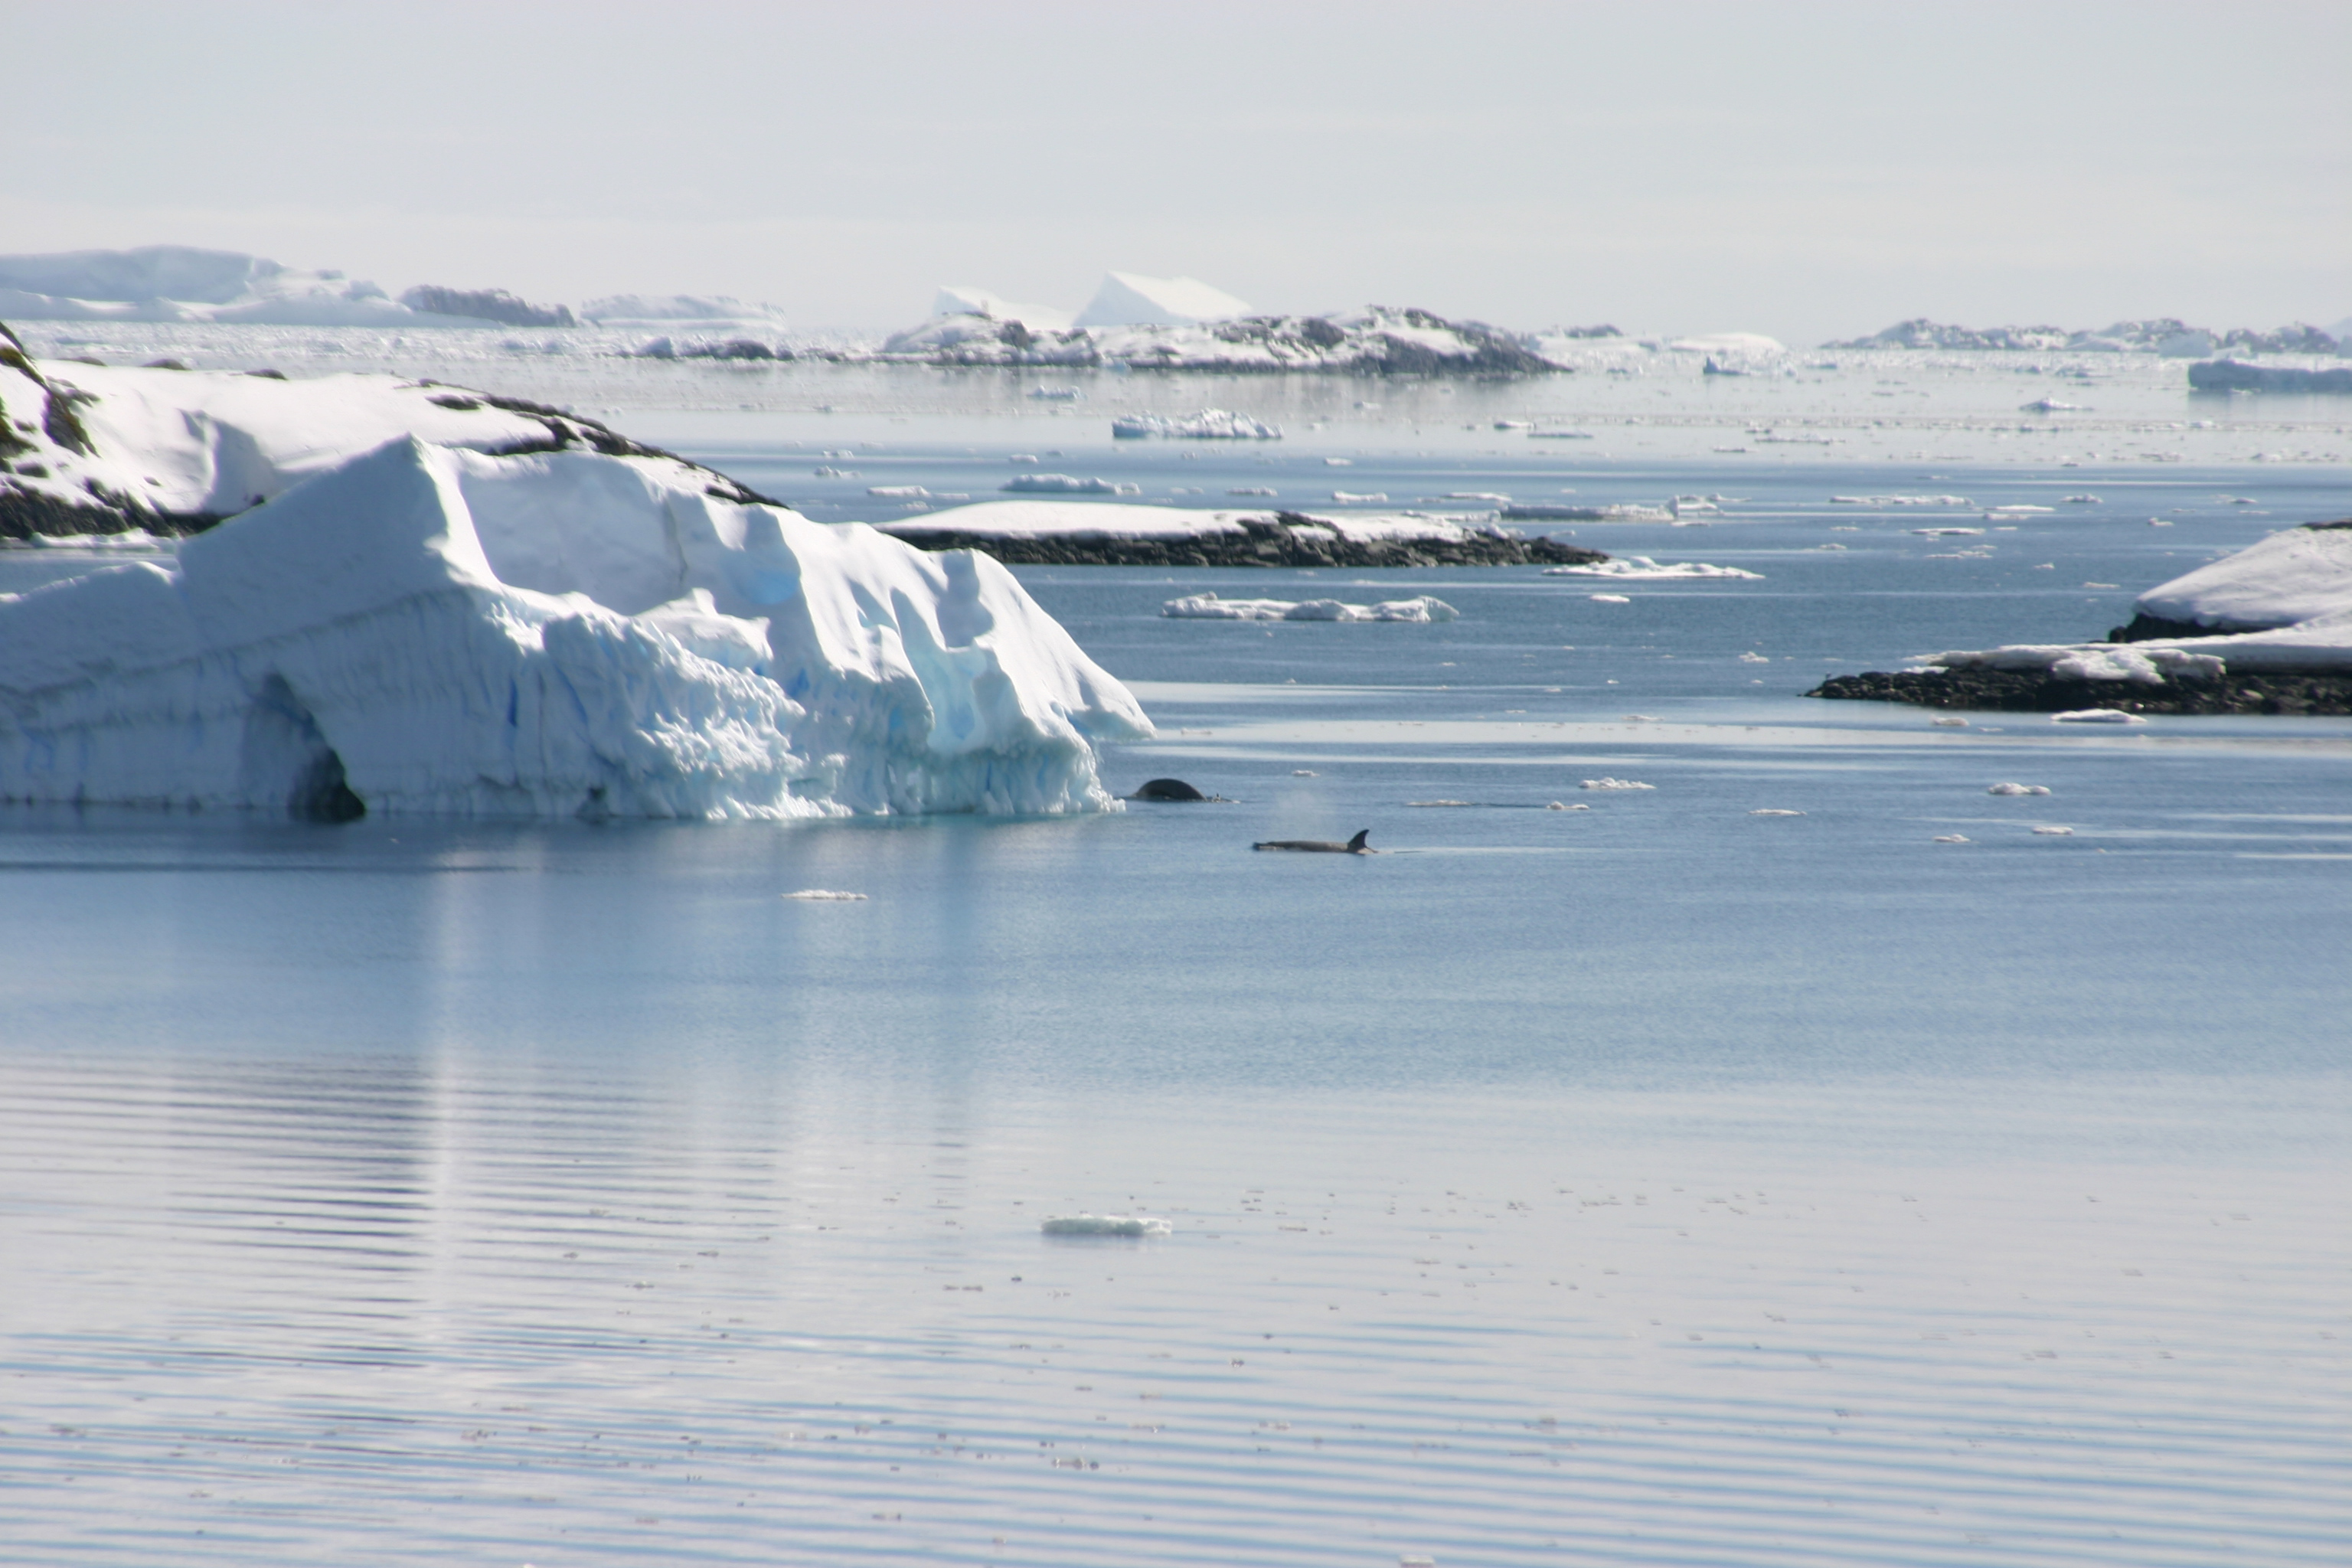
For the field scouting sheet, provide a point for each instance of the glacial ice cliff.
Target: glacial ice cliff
(425, 628)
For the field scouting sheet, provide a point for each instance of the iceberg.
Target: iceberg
(1057, 533)
(1209, 607)
(678, 309)
(1131, 300)
(182, 283)
(961, 301)
(1208, 425)
(430, 629)
(1641, 568)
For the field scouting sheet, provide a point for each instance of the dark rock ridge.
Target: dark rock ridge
(2233, 376)
(2032, 692)
(2156, 335)
(1285, 539)
(485, 305)
(1381, 340)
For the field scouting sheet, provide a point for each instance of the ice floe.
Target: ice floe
(1609, 598)
(1641, 568)
(1774, 811)
(2097, 716)
(1107, 1224)
(1208, 425)
(1068, 485)
(427, 628)
(824, 896)
(1610, 784)
(2047, 831)
(2017, 789)
(1209, 607)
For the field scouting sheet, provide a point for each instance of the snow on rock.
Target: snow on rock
(181, 283)
(1070, 532)
(2281, 605)
(1131, 300)
(1641, 568)
(99, 449)
(427, 628)
(1208, 425)
(1376, 340)
(961, 301)
(1209, 607)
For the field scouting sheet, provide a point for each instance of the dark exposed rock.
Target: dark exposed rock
(2031, 691)
(1285, 539)
(2233, 376)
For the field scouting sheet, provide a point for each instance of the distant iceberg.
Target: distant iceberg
(1209, 607)
(183, 283)
(1131, 300)
(1208, 425)
(426, 628)
(955, 300)
(1641, 568)
(679, 310)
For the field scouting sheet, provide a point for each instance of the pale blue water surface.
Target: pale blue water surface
(1652, 1183)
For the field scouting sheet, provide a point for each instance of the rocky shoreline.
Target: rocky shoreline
(1285, 538)
(2033, 691)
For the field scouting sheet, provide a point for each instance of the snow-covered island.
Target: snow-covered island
(2266, 630)
(486, 613)
(1106, 533)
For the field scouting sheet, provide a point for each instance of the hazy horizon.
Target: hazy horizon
(1811, 171)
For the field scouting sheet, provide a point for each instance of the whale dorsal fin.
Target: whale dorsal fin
(1356, 843)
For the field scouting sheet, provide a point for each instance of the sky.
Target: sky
(1810, 169)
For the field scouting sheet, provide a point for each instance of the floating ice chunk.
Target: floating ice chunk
(824, 896)
(2048, 832)
(1641, 568)
(2097, 716)
(1774, 811)
(1901, 500)
(1944, 533)
(1754, 658)
(2050, 405)
(2018, 789)
(1609, 599)
(1107, 1224)
(1351, 498)
(1613, 784)
(1068, 484)
(1209, 607)
(1438, 803)
(1208, 425)
(1949, 723)
(1304, 774)
(1953, 838)
(899, 492)
(1253, 491)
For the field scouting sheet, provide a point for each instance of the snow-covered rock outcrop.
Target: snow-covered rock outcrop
(96, 449)
(1376, 340)
(427, 628)
(2161, 335)
(2281, 605)
(1074, 533)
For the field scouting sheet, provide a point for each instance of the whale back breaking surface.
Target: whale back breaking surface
(1356, 845)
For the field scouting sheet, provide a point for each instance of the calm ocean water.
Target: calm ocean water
(1653, 1183)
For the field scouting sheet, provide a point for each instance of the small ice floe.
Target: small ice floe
(1943, 533)
(1952, 838)
(1610, 599)
(2050, 405)
(1515, 424)
(1641, 718)
(1643, 568)
(829, 472)
(899, 492)
(1614, 784)
(2017, 510)
(1304, 774)
(1209, 607)
(2079, 500)
(1754, 658)
(1255, 490)
(2048, 832)
(1356, 497)
(1949, 723)
(1563, 805)
(1901, 500)
(2097, 716)
(1055, 394)
(2017, 789)
(1774, 811)
(1338, 462)
(825, 896)
(1107, 1224)
(1437, 802)
(1208, 425)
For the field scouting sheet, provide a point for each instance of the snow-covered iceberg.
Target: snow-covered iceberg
(1641, 568)
(426, 628)
(1072, 532)
(1209, 607)
(1131, 300)
(958, 300)
(1208, 425)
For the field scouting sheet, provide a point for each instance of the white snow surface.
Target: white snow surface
(2283, 603)
(1131, 300)
(212, 441)
(548, 635)
(1209, 607)
(1641, 568)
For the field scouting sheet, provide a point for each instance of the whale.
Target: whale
(1355, 846)
(1167, 789)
